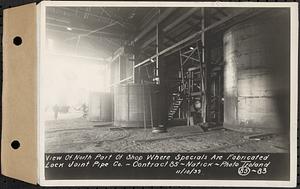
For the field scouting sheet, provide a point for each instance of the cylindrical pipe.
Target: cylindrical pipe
(100, 107)
(256, 74)
(131, 109)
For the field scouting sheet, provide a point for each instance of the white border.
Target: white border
(234, 183)
(41, 27)
(38, 23)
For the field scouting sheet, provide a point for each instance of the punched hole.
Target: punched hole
(17, 40)
(15, 144)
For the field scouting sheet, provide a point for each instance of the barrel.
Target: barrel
(100, 107)
(136, 105)
(256, 75)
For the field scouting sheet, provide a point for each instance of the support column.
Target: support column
(161, 71)
(205, 67)
(136, 71)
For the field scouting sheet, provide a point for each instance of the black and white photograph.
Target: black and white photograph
(171, 91)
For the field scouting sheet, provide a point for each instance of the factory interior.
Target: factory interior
(167, 79)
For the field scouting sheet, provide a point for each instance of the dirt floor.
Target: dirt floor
(80, 135)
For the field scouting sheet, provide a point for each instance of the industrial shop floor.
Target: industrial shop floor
(80, 135)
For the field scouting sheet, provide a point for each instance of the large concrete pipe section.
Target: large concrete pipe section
(136, 105)
(256, 74)
(100, 106)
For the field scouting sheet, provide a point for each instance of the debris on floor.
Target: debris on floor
(80, 135)
(259, 136)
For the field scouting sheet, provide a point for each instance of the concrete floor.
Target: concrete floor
(80, 135)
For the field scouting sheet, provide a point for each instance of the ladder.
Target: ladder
(176, 103)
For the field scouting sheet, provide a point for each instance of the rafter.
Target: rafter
(122, 22)
(172, 25)
(241, 15)
(180, 19)
(170, 39)
(80, 31)
(194, 26)
(91, 32)
(153, 24)
(220, 10)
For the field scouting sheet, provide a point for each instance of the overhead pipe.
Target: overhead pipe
(176, 45)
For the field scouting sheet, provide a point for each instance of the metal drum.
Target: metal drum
(136, 105)
(100, 107)
(256, 75)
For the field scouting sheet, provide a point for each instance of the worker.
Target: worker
(84, 109)
(55, 110)
(196, 111)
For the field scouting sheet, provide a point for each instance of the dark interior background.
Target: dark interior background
(8, 183)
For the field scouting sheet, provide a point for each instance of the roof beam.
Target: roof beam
(148, 42)
(120, 20)
(82, 31)
(170, 39)
(197, 17)
(115, 36)
(171, 25)
(148, 17)
(153, 24)
(184, 32)
(179, 44)
(109, 18)
(196, 26)
(91, 31)
(182, 18)
(221, 11)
